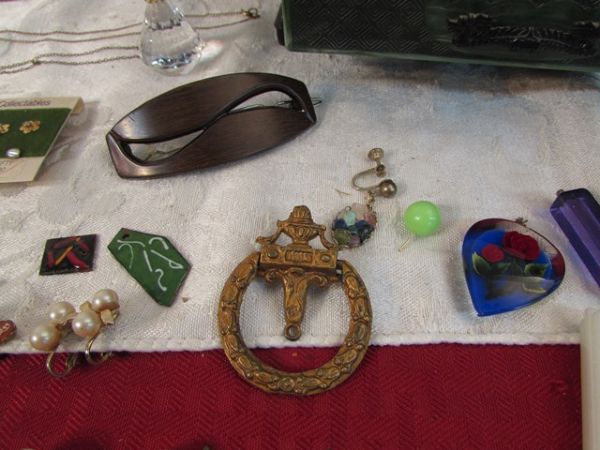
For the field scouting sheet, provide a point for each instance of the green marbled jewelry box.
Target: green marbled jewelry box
(559, 34)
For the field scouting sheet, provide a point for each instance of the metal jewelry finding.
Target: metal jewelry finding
(70, 363)
(386, 188)
(89, 355)
(72, 359)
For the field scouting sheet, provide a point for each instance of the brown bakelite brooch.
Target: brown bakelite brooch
(211, 114)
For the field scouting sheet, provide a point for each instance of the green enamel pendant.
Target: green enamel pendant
(153, 261)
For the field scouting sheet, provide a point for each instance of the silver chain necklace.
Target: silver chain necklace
(65, 58)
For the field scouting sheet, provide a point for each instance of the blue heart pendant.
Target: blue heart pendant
(509, 266)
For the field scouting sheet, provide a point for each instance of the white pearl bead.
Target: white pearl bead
(105, 299)
(13, 153)
(45, 337)
(59, 312)
(86, 324)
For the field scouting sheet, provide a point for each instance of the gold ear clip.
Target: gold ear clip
(88, 323)
(387, 188)
(354, 224)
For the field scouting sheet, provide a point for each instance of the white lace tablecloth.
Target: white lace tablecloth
(479, 141)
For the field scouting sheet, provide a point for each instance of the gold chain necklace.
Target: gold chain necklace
(46, 58)
(64, 58)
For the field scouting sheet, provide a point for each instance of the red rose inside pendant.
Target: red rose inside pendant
(509, 266)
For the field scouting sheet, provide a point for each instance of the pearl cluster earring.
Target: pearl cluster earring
(87, 323)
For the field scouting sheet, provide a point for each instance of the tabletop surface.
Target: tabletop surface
(478, 141)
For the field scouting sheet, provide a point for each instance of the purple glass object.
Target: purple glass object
(578, 215)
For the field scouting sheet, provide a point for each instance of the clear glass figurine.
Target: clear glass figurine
(168, 42)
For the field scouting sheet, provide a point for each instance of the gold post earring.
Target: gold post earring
(30, 126)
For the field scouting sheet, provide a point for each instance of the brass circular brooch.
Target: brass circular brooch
(297, 265)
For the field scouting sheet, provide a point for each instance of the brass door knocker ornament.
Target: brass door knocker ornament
(297, 265)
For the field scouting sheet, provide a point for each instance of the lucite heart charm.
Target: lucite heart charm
(509, 266)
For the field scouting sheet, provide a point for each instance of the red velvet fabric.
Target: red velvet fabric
(407, 397)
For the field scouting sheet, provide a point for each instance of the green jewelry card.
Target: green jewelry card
(28, 130)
